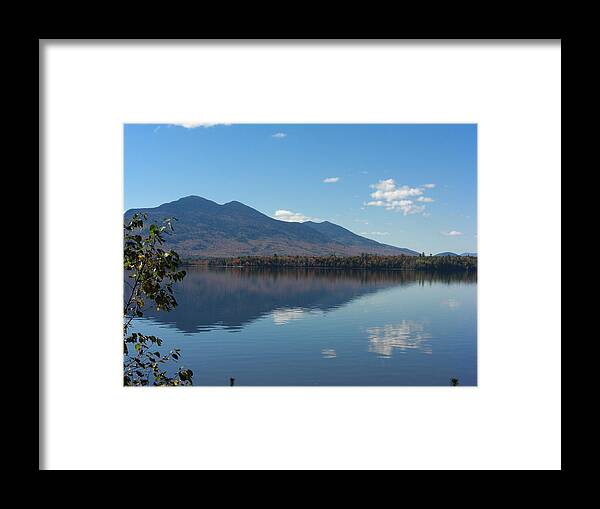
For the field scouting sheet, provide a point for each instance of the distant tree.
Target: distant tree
(454, 382)
(150, 273)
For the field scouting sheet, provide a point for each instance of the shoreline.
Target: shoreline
(397, 269)
(442, 264)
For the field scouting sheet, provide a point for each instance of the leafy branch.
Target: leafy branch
(152, 272)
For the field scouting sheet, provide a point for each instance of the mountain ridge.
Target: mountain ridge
(205, 228)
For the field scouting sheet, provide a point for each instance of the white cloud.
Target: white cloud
(387, 190)
(292, 217)
(278, 135)
(331, 180)
(387, 194)
(452, 233)
(375, 233)
(428, 186)
(193, 125)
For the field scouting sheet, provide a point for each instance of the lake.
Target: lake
(322, 327)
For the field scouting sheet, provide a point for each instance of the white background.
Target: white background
(511, 421)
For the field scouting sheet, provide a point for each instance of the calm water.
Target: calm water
(322, 327)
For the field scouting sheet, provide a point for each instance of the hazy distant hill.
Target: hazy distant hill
(449, 253)
(205, 228)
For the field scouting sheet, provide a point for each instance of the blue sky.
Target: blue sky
(408, 185)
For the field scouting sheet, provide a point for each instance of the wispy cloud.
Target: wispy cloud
(428, 186)
(375, 233)
(193, 125)
(331, 180)
(399, 198)
(278, 135)
(452, 233)
(292, 217)
(156, 129)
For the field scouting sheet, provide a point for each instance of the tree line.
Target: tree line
(363, 261)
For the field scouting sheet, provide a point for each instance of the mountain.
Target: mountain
(205, 228)
(469, 254)
(446, 253)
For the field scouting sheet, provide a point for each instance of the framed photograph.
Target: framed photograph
(309, 254)
(288, 255)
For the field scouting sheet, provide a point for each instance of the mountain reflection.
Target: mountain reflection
(232, 298)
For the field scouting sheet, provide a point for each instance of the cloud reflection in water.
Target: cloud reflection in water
(282, 316)
(328, 353)
(407, 335)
